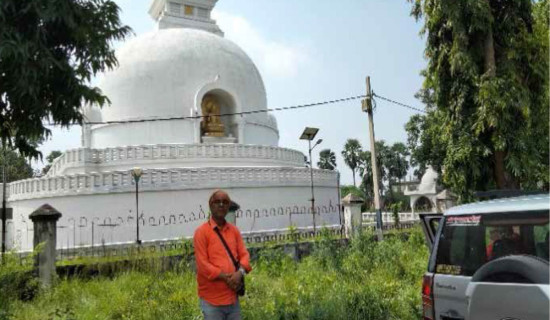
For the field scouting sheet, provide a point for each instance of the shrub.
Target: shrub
(365, 280)
(17, 282)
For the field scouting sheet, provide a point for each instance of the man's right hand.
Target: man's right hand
(234, 280)
(224, 276)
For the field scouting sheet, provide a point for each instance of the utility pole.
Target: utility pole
(367, 107)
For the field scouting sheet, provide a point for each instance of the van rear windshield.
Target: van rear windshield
(469, 241)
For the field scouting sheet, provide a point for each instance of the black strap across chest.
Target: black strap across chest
(235, 263)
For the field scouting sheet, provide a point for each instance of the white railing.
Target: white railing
(388, 216)
(81, 156)
(160, 179)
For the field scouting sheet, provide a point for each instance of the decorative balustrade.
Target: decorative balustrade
(82, 156)
(159, 179)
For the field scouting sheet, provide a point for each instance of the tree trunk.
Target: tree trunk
(500, 176)
(353, 172)
(490, 71)
(489, 54)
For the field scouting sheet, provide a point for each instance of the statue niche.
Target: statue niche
(211, 124)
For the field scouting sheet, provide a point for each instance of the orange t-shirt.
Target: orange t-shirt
(212, 259)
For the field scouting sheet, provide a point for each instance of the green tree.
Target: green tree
(392, 167)
(351, 154)
(423, 144)
(395, 207)
(53, 155)
(327, 159)
(17, 167)
(49, 51)
(397, 164)
(486, 92)
(347, 189)
(365, 173)
(365, 170)
(50, 158)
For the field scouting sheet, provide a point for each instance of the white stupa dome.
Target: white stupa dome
(428, 183)
(165, 74)
(160, 74)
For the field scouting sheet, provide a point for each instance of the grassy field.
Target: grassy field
(366, 280)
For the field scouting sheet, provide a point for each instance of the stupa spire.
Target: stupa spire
(194, 14)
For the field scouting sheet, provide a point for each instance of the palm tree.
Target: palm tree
(351, 154)
(327, 159)
(397, 166)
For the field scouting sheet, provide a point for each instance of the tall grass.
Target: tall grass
(17, 282)
(365, 280)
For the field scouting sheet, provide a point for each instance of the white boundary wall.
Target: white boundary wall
(172, 202)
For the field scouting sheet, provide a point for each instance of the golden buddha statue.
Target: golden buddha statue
(211, 125)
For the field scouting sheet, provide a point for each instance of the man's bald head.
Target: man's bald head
(218, 194)
(219, 203)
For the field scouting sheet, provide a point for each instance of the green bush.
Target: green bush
(17, 282)
(364, 280)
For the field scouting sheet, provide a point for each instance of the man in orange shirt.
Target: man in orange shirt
(217, 276)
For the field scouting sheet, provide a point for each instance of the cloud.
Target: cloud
(273, 58)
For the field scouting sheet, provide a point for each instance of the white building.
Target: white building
(165, 74)
(427, 195)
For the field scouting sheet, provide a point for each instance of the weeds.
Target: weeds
(363, 280)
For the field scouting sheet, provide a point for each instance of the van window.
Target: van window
(469, 241)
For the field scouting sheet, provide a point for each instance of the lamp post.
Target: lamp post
(309, 134)
(136, 173)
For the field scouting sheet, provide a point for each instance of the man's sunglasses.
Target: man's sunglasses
(221, 202)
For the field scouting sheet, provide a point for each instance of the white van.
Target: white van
(489, 260)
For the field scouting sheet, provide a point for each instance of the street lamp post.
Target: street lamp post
(136, 173)
(309, 134)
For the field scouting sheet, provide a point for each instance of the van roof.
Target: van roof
(524, 203)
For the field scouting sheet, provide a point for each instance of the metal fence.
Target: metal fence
(185, 246)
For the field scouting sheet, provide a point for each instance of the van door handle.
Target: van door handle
(451, 318)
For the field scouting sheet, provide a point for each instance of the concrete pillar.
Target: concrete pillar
(45, 232)
(352, 215)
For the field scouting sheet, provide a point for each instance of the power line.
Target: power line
(398, 103)
(308, 105)
(300, 106)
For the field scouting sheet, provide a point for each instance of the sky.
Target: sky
(311, 51)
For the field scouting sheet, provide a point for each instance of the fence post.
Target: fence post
(353, 219)
(45, 231)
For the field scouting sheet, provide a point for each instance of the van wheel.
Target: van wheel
(514, 269)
